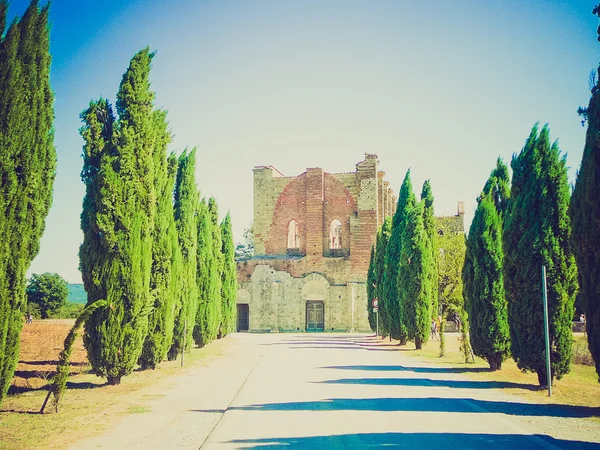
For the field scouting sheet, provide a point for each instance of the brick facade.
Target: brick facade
(279, 280)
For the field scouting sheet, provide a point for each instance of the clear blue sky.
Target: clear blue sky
(441, 87)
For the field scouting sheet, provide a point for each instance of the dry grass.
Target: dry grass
(89, 405)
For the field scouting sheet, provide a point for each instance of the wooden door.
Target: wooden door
(243, 317)
(315, 316)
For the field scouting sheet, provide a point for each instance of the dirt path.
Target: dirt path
(172, 418)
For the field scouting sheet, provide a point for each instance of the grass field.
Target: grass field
(579, 388)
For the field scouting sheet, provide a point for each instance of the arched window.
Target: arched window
(335, 234)
(293, 235)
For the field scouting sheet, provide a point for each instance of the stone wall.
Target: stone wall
(277, 301)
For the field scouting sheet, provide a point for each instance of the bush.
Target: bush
(581, 352)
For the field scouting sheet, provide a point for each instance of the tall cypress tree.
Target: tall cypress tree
(414, 276)
(205, 262)
(585, 216)
(164, 234)
(406, 201)
(371, 288)
(215, 304)
(117, 221)
(185, 207)
(228, 279)
(483, 280)
(429, 224)
(27, 166)
(383, 238)
(536, 233)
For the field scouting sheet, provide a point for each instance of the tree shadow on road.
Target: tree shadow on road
(432, 404)
(413, 369)
(427, 382)
(414, 441)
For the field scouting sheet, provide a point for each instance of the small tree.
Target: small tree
(63, 368)
(383, 238)
(406, 201)
(49, 291)
(414, 277)
(245, 249)
(371, 290)
(228, 279)
(483, 281)
(429, 224)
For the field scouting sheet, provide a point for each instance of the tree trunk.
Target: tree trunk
(418, 344)
(542, 378)
(495, 361)
(113, 381)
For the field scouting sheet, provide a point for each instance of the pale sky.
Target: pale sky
(438, 86)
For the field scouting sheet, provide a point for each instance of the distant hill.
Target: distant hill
(77, 294)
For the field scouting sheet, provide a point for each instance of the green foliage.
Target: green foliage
(49, 291)
(164, 234)
(245, 249)
(215, 304)
(228, 279)
(186, 202)
(383, 237)
(483, 282)
(451, 257)
(117, 221)
(536, 233)
(406, 201)
(27, 166)
(371, 287)
(203, 274)
(585, 217)
(59, 381)
(429, 224)
(415, 276)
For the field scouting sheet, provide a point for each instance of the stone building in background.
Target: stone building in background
(312, 244)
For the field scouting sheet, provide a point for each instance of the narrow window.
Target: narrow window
(293, 235)
(335, 234)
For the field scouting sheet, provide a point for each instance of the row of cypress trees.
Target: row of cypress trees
(152, 249)
(403, 269)
(514, 233)
(27, 166)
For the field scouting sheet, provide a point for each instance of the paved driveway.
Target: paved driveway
(328, 391)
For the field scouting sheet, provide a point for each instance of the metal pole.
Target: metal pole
(546, 331)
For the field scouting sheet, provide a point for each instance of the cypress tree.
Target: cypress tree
(117, 221)
(430, 232)
(585, 216)
(406, 201)
(27, 166)
(371, 288)
(205, 262)
(483, 282)
(228, 278)
(536, 233)
(383, 238)
(185, 207)
(414, 276)
(164, 234)
(215, 305)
